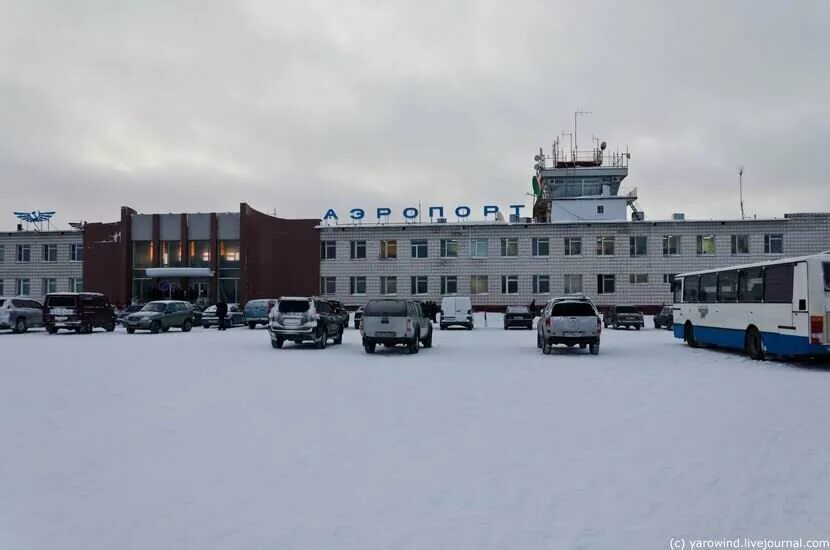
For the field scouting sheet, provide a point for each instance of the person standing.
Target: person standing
(533, 308)
(221, 312)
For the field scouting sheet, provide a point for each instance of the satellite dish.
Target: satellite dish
(534, 183)
(602, 146)
(537, 158)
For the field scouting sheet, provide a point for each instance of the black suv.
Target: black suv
(81, 312)
(623, 316)
(664, 319)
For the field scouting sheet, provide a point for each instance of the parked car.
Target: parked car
(20, 314)
(78, 311)
(623, 316)
(303, 319)
(518, 316)
(664, 319)
(198, 310)
(358, 317)
(257, 312)
(456, 310)
(392, 322)
(569, 322)
(161, 316)
(236, 317)
(121, 314)
(341, 311)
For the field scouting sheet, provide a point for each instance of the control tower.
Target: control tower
(574, 185)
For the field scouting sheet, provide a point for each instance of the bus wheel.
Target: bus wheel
(754, 344)
(689, 335)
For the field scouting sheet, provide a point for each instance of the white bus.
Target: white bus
(778, 307)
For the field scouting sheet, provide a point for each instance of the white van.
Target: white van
(456, 310)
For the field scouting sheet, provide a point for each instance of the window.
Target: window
(143, 252)
(740, 244)
(541, 284)
(24, 253)
(573, 284)
(357, 286)
(357, 250)
(573, 246)
(76, 252)
(605, 246)
(638, 278)
(199, 253)
(2, 254)
(229, 254)
(449, 284)
(778, 284)
(606, 283)
(171, 253)
(826, 277)
(541, 247)
(2, 290)
(509, 284)
(388, 285)
(638, 245)
(23, 288)
(690, 287)
(708, 291)
(705, 244)
(419, 284)
(774, 244)
(50, 253)
(751, 285)
(49, 285)
(449, 248)
(328, 285)
(600, 209)
(728, 286)
(668, 278)
(510, 247)
(419, 248)
(388, 250)
(328, 250)
(671, 245)
(478, 248)
(479, 284)
(75, 285)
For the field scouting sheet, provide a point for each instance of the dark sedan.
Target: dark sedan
(518, 316)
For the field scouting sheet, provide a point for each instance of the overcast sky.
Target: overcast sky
(301, 106)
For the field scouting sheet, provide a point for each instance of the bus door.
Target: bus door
(801, 311)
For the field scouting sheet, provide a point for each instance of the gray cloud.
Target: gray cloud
(198, 106)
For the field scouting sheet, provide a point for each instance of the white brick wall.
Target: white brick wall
(36, 270)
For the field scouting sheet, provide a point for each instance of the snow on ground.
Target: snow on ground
(215, 440)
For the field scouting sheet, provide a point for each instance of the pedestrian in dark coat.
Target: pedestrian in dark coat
(221, 312)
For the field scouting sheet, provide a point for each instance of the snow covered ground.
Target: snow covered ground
(215, 440)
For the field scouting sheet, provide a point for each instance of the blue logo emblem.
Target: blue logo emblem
(35, 216)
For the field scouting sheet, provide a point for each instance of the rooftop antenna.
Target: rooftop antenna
(741, 189)
(579, 112)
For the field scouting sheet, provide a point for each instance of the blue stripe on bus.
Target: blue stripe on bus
(775, 344)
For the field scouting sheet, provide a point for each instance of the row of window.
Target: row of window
(771, 284)
(49, 253)
(171, 253)
(573, 246)
(23, 287)
(480, 284)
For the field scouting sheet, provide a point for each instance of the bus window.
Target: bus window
(827, 277)
(677, 290)
(778, 284)
(690, 286)
(708, 288)
(728, 286)
(751, 285)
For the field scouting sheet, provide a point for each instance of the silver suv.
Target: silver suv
(392, 322)
(20, 314)
(571, 322)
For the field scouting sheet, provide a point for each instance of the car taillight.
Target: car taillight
(816, 329)
(408, 325)
(599, 325)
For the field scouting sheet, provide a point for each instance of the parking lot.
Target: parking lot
(208, 439)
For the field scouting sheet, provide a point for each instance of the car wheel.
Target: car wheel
(321, 339)
(155, 327)
(187, 325)
(51, 330)
(656, 324)
(252, 325)
(538, 339)
(277, 343)
(370, 348)
(594, 349)
(130, 331)
(616, 326)
(165, 329)
(339, 338)
(583, 346)
(428, 340)
(689, 335)
(638, 327)
(87, 328)
(755, 344)
(110, 326)
(413, 346)
(546, 348)
(356, 325)
(20, 326)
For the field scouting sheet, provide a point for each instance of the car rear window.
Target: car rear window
(2, 302)
(517, 309)
(257, 303)
(156, 307)
(626, 309)
(60, 301)
(392, 308)
(573, 309)
(827, 277)
(293, 306)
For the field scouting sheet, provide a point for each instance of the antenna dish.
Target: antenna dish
(537, 158)
(602, 146)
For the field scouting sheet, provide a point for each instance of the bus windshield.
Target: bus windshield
(827, 277)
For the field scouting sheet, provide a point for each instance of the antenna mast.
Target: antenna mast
(579, 112)
(741, 189)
